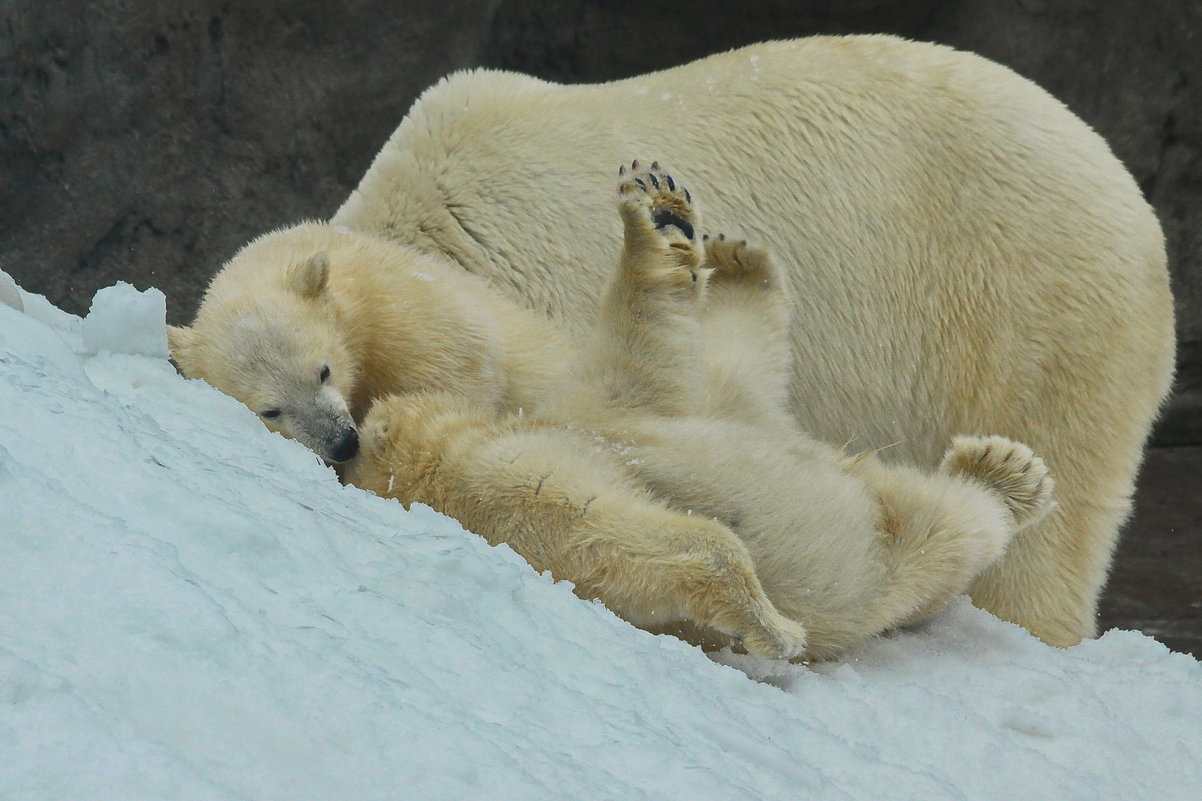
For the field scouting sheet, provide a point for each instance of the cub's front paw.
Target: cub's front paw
(776, 638)
(657, 200)
(735, 262)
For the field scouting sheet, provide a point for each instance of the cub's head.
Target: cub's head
(268, 334)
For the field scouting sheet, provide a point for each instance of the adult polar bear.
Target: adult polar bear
(965, 255)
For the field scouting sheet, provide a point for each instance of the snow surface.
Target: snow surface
(124, 320)
(194, 608)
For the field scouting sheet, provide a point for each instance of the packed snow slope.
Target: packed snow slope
(194, 608)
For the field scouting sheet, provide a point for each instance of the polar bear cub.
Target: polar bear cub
(307, 326)
(669, 480)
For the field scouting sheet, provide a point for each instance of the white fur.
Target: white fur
(648, 489)
(962, 252)
(296, 300)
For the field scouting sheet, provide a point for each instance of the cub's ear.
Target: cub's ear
(308, 278)
(182, 342)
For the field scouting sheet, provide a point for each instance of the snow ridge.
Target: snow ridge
(194, 608)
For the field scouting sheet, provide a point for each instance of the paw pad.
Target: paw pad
(1009, 468)
(736, 262)
(667, 203)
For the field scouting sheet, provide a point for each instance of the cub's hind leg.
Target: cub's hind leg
(646, 352)
(939, 532)
(1010, 469)
(573, 509)
(655, 567)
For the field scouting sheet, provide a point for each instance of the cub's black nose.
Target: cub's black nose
(346, 448)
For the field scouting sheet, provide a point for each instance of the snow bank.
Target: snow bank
(193, 608)
(124, 320)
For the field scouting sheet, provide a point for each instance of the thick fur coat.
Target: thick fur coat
(963, 253)
(666, 478)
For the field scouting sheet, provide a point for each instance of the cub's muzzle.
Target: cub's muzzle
(346, 447)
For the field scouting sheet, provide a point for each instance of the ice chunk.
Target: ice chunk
(124, 320)
(9, 295)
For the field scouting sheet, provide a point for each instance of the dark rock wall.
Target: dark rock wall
(146, 141)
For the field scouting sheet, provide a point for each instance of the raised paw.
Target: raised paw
(662, 203)
(735, 262)
(1007, 467)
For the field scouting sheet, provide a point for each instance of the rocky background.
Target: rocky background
(146, 141)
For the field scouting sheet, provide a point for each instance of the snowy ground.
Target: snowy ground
(193, 608)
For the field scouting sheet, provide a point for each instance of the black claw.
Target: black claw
(671, 183)
(622, 170)
(705, 238)
(687, 197)
(640, 183)
(722, 237)
(634, 165)
(654, 180)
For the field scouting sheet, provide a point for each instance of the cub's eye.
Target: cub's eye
(269, 414)
(324, 375)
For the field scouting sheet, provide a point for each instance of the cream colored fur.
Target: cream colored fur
(381, 318)
(645, 485)
(963, 253)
